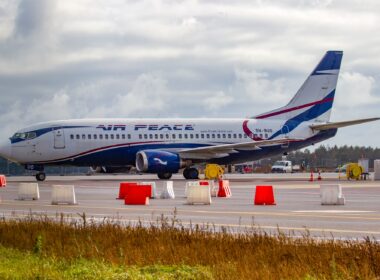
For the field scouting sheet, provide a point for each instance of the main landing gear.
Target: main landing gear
(164, 176)
(190, 173)
(41, 176)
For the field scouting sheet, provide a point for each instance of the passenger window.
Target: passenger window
(161, 136)
(117, 136)
(111, 136)
(202, 135)
(180, 136)
(100, 136)
(173, 136)
(218, 135)
(240, 135)
(234, 135)
(140, 136)
(145, 136)
(83, 136)
(207, 136)
(191, 136)
(224, 135)
(213, 136)
(197, 135)
(89, 136)
(150, 136)
(78, 137)
(266, 135)
(72, 136)
(185, 136)
(229, 135)
(123, 136)
(155, 136)
(105, 136)
(129, 136)
(245, 135)
(167, 136)
(95, 136)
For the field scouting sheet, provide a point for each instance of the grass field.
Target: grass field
(38, 247)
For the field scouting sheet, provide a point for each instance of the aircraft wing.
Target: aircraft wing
(224, 150)
(331, 125)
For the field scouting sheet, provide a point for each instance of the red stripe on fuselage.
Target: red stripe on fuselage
(98, 149)
(294, 108)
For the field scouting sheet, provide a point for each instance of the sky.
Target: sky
(185, 58)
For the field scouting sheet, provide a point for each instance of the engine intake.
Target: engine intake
(155, 161)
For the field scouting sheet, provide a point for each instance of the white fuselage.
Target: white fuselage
(97, 141)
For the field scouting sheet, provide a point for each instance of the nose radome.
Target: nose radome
(5, 149)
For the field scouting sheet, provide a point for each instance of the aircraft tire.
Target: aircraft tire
(41, 176)
(164, 176)
(190, 173)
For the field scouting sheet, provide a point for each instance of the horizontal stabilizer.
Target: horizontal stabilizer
(332, 125)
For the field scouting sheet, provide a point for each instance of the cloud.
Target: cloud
(76, 59)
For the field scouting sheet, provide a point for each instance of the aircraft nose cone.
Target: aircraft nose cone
(5, 149)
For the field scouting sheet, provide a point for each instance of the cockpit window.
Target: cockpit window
(24, 135)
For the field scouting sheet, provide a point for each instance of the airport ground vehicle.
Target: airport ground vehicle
(282, 166)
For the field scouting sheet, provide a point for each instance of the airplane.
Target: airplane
(164, 146)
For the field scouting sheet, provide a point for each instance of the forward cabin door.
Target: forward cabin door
(59, 138)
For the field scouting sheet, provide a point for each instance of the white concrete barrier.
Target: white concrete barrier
(332, 195)
(63, 194)
(154, 189)
(167, 191)
(376, 168)
(198, 195)
(214, 189)
(190, 183)
(28, 191)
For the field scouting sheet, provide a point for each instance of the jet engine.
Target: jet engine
(156, 161)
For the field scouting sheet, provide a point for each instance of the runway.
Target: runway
(298, 210)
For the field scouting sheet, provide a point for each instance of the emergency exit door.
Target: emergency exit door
(59, 139)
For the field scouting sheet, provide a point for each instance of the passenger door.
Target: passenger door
(59, 138)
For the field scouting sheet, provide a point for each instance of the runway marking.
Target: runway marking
(244, 226)
(212, 212)
(333, 211)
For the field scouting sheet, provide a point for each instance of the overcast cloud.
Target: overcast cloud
(77, 59)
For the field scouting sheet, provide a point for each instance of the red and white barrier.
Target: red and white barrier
(224, 188)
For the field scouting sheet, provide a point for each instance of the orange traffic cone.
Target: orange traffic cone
(319, 175)
(311, 176)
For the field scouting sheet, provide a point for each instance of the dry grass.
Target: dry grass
(249, 255)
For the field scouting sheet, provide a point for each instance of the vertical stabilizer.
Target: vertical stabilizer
(314, 100)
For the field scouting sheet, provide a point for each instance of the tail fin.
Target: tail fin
(315, 98)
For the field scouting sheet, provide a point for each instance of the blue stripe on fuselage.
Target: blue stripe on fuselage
(310, 114)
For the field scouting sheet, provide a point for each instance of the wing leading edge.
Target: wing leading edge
(224, 150)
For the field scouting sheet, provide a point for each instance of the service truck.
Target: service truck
(282, 166)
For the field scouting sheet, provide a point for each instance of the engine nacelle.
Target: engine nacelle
(155, 161)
